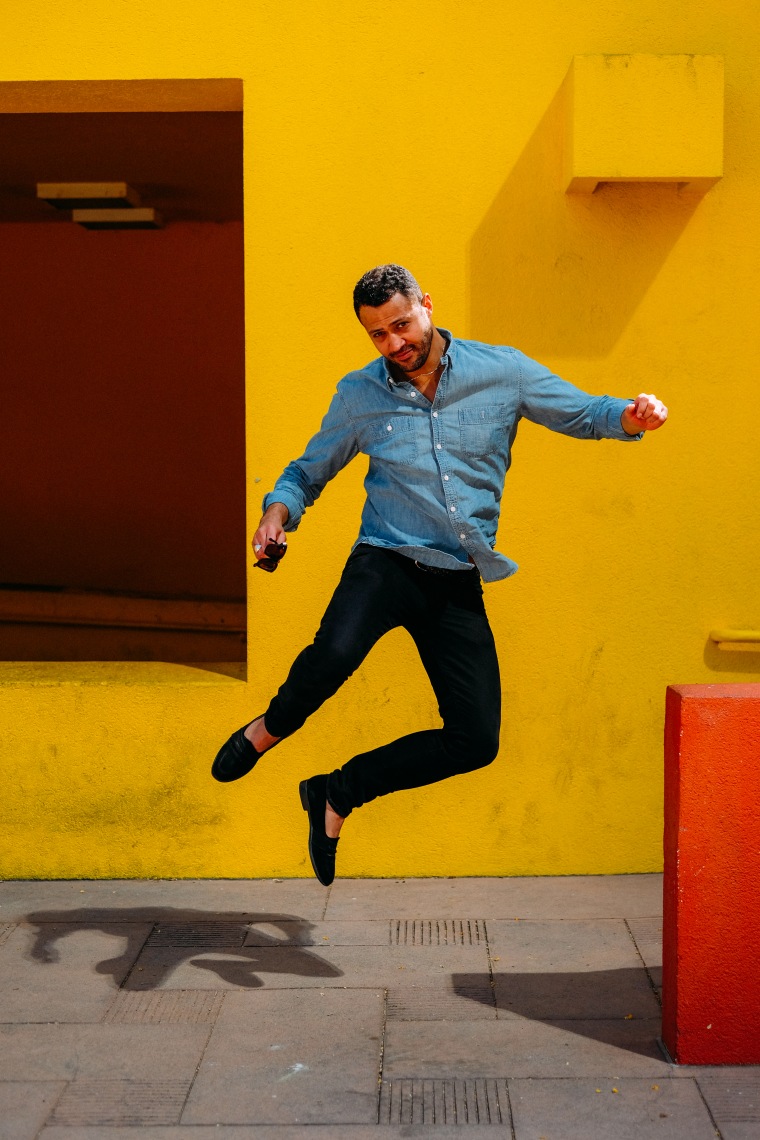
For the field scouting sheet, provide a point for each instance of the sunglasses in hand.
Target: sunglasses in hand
(273, 553)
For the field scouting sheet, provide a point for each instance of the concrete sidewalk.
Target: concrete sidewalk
(527, 1008)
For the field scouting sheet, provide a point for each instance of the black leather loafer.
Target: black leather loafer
(322, 847)
(237, 757)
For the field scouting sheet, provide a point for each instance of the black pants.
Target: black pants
(444, 613)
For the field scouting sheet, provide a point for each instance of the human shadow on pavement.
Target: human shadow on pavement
(615, 1007)
(161, 939)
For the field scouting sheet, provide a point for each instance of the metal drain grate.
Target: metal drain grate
(472, 1002)
(734, 1099)
(437, 932)
(481, 1100)
(167, 1007)
(206, 935)
(120, 1103)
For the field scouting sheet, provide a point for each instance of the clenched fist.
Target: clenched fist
(646, 413)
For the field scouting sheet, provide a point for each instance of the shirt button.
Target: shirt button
(435, 415)
(390, 427)
(452, 508)
(463, 537)
(445, 478)
(438, 445)
(413, 395)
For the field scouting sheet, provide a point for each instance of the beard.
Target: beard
(421, 352)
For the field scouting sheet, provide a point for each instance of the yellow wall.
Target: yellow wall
(430, 134)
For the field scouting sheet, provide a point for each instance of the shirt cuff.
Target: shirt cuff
(616, 429)
(295, 508)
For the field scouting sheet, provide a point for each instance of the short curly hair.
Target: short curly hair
(378, 285)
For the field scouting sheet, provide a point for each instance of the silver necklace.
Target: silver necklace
(422, 375)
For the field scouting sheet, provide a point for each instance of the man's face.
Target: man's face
(401, 329)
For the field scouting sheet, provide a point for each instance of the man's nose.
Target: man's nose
(396, 343)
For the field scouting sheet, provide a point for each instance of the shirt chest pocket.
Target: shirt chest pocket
(483, 429)
(394, 438)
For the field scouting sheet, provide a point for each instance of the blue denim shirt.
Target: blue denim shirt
(436, 471)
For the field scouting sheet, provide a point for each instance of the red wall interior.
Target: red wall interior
(122, 459)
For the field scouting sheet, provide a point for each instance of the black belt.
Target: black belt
(434, 569)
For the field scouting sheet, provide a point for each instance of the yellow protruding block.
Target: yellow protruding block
(644, 118)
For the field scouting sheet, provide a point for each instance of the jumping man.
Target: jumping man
(437, 417)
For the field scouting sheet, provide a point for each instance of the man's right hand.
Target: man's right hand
(270, 529)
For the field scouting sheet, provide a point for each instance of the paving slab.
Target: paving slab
(588, 994)
(734, 1100)
(362, 933)
(300, 898)
(291, 1057)
(517, 1047)
(176, 934)
(64, 972)
(25, 1106)
(565, 946)
(588, 969)
(280, 1132)
(105, 1102)
(297, 967)
(250, 967)
(165, 1007)
(183, 922)
(570, 897)
(628, 1110)
(471, 1000)
(126, 1052)
(369, 932)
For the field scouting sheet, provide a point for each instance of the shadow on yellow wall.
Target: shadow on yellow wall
(561, 274)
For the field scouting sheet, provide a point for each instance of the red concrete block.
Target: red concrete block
(711, 931)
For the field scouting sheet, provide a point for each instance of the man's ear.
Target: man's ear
(427, 303)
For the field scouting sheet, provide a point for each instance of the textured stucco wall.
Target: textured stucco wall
(431, 135)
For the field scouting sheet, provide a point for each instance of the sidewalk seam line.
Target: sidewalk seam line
(512, 1132)
(702, 1097)
(197, 1067)
(652, 986)
(491, 980)
(382, 1053)
(53, 1107)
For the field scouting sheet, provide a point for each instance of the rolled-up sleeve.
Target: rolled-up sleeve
(327, 452)
(554, 403)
